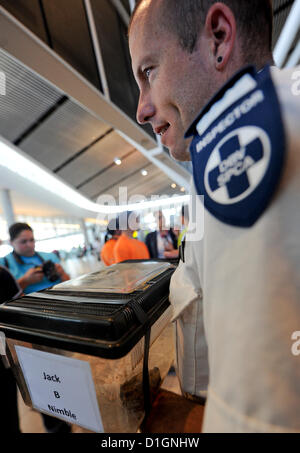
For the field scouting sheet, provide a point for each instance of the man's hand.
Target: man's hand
(171, 254)
(33, 275)
(60, 271)
(169, 247)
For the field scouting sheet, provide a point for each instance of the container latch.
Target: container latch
(3, 350)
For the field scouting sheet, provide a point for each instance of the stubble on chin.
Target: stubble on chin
(182, 153)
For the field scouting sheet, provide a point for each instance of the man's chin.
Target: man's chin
(180, 155)
(181, 151)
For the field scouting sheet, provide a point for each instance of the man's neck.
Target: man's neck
(240, 62)
(163, 233)
(262, 61)
(127, 233)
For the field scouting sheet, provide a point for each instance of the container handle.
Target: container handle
(3, 350)
(2, 344)
(146, 382)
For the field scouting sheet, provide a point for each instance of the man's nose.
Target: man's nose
(145, 110)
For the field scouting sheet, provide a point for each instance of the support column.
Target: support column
(7, 207)
(288, 34)
(84, 231)
(96, 47)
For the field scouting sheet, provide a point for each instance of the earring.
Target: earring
(219, 59)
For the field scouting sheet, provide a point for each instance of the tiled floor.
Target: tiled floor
(30, 420)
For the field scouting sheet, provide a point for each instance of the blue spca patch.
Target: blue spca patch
(238, 155)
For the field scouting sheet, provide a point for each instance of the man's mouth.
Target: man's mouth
(162, 130)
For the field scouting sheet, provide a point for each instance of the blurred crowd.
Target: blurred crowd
(121, 245)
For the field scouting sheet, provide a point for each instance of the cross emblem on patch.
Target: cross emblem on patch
(235, 161)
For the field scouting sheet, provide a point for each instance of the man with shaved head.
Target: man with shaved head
(208, 88)
(204, 48)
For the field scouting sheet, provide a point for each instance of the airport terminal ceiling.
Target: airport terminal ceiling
(74, 136)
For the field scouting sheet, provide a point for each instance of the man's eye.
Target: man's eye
(147, 72)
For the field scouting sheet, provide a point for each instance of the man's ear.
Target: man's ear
(220, 29)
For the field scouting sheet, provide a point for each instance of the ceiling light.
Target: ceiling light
(117, 161)
(173, 185)
(182, 189)
(144, 172)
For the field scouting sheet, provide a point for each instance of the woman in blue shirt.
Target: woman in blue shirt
(25, 263)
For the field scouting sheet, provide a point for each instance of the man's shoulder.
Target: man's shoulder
(5, 259)
(49, 256)
(109, 244)
(122, 238)
(284, 74)
(121, 241)
(6, 256)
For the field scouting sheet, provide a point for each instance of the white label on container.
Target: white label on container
(61, 386)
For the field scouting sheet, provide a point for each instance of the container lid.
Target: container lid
(117, 279)
(104, 313)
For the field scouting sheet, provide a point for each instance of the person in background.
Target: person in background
(170, 251)
(112, 235)
(163, 242)
(97, 247)
(126, 247)
(26, 265)
(57, 253)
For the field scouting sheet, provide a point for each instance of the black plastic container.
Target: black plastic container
(101, 318)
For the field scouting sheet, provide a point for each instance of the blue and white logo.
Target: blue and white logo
(237, 165)
(239, 158)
